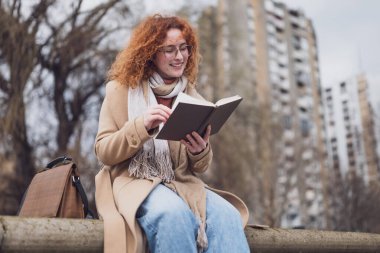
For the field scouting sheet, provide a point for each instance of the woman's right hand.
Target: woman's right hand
(155, 115)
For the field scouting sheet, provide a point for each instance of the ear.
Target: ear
(152, 62)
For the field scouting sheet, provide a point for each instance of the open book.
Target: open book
(191, 114)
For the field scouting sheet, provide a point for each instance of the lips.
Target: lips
(176, 65)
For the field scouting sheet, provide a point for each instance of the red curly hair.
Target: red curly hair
(134, 63)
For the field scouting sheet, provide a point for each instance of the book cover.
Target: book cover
(191, 114)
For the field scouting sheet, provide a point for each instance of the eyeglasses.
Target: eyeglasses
(172, 51)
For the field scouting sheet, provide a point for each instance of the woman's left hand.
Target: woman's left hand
(195, 143)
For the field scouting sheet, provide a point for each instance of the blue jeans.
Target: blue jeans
(170, 225)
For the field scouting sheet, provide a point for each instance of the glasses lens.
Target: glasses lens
(172, 51)
(187, 49)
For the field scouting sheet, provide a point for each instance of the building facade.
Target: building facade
(350, 131)
(268, 53)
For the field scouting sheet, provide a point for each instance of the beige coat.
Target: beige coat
(118, 195)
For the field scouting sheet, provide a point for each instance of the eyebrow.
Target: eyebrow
(172, 45)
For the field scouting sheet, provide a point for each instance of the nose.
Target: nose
(178, 54)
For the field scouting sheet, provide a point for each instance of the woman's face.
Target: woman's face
(171, 58)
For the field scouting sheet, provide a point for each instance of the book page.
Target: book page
(184, 98)
(227, 100)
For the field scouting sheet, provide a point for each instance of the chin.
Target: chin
(176, 74)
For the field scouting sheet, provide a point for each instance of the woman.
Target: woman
(148, 193)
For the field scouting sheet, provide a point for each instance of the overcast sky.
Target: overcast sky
(348, 35)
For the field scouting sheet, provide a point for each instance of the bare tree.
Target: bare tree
(63, 59)
(356, 205)
(18, 51)
(77, 58)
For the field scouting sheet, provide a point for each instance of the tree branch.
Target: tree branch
(76, 12)
(4, 84)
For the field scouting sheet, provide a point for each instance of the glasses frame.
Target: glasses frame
(166, 50)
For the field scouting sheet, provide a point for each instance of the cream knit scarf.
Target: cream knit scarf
(153, 160)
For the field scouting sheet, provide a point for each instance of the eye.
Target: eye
(184, 47)
(169, 49)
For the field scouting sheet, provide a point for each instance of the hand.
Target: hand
(195, 143)
(155, 115)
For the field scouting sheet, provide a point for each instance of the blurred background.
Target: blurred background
(301, 150)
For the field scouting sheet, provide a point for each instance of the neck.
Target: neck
(169, 81)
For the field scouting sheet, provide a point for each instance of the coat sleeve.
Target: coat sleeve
(114, 144)
(201, 162)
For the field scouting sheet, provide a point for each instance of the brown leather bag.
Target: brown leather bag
(56, 192)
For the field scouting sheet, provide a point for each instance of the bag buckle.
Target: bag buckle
(75, 179)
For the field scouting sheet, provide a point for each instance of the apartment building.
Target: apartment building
(269, 53)
(351, 141)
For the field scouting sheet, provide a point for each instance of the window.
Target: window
(343, 87)
(287, 122)
(305, 127)
(292, 216)
(294, 13)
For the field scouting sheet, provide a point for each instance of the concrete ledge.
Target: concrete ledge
(50, 235)
(294, 240)
(72, 235)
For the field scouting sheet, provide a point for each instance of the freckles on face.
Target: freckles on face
(171, 68)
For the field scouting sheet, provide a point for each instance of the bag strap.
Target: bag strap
(22, 201)
(83, 196)
(58, 160)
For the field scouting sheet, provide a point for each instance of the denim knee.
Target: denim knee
(165, 206)
(224, 227)
(167, 221)
(220, 210)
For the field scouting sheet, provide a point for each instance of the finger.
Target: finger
(158, 118)
(199, 140)
(191, 140)
(153, 121)
(159, 112)
(185, 143)
(163, 108)
(207, 134)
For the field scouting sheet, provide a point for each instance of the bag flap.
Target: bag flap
(45, 192)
